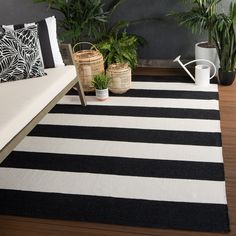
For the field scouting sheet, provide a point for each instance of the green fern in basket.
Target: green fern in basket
(120, 48)
(100, 81)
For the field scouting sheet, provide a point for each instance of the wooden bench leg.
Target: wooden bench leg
(80, 91)
(68, 58)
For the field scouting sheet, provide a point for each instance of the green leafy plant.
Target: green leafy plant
(119, 48)
(82, 18)
(224, 36)
(100, 81)
(200, 16)
(86, 20)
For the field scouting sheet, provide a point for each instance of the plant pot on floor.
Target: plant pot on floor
(100, 83)
(102, 94)
(225, 41)
(120, 74)
(226, 77)
(204, 51)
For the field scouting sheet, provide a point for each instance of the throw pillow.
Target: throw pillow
(47, 32)
(19, 55)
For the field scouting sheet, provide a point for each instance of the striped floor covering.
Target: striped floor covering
(151, 158)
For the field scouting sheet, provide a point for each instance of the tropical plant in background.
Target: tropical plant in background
(89, 20)
(199, 17)
(224, 37)
(82, 18)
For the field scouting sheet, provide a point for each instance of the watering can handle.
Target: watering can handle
(213, 65)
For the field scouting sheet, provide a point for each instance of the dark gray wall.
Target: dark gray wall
(165, 38)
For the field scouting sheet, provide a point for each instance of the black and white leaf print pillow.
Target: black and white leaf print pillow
(48, 44)
(19, 55)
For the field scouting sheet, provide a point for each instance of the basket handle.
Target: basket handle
(92, 46)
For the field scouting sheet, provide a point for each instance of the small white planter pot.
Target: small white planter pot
(102, 94)
(208, 54)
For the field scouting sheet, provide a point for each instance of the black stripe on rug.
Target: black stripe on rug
(170, 94)
(116, 165)
(131, 212)
(138, 111)
(169, 79)
(128, 135)
(162, 94)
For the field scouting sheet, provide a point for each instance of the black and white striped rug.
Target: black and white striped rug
(151, 158)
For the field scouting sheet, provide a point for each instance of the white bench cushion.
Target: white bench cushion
(21, 101)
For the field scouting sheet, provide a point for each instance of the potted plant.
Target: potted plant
(100, 83)
(224, 36)
(200, 17)
(120, 55)
(119, 48)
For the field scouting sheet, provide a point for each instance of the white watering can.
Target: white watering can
(202, 72)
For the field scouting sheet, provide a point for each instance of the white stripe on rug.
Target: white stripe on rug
(132, 122)
(162, 189)
(145, 102)
(121, 149)
(173, 86)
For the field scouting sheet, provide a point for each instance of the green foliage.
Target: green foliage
(119, 48)
(82, 18)
(224, 36)
(101, 81)
(86, 20)
(199, 17)
(204, 15)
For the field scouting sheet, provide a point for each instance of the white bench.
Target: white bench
(24, 103)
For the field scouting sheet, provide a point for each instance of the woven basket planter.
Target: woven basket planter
(88, 64)
(120, 78)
